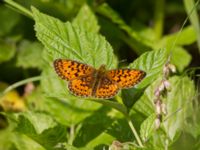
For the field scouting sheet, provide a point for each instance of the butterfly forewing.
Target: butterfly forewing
(69, 69)
(126, 78)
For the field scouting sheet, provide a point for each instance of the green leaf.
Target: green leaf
(92, 127)
(8, 20)
(158, 141)
(41, 128)
(186, 37)
(6, 134)
(179, 105)
(120, 130)
(29, 55)
(191, 8)
(150, 62)
(22, 141)
(35, 122)
(66, 146)
(145, 105)
(180, 58)
(63, 40)
(193, 123)
(7, 50)
(74, 110)
(147, 127)
(11, 140)
(86, 20)
(100, 142)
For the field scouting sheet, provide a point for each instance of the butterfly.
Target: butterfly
(86, 81)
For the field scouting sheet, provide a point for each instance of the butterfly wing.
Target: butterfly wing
(126, 78)
(81, 86)
(69, 69)
(105, 89)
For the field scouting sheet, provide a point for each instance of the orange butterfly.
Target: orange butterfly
(86, 81)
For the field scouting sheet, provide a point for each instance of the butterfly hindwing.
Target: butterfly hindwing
(81, 86)
(106, 88)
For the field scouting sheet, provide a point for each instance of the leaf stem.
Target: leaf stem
(22, 82)
(71, 137)
(134, 131)
(18, 8)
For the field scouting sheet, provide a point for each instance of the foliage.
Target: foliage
(44, 115)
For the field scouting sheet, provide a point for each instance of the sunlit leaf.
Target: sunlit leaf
(86, 20)
(63, 40)
(42, 129)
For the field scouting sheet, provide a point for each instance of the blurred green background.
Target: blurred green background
(132, 28)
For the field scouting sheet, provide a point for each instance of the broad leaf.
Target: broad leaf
(185, 37)
(147, 127)
(145, 104)
(92, 127)
(42, 129)
(86, 20)
(173, 42)
(179, 104)
(180, 58)
(63, 40)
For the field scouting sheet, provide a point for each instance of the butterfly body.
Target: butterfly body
(86, 81)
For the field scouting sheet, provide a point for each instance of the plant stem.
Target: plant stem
(159, 18)
(71, 138)
(22, 82)
(19, 8)
(134, 132)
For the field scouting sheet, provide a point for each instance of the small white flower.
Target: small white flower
(172, 68)
(166, 84)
